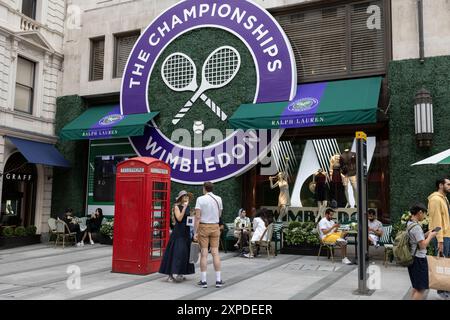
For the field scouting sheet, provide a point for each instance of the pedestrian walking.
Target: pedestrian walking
(438, 210)
(208, 210)
(418, 270)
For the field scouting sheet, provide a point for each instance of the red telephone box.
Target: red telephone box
(142, 215)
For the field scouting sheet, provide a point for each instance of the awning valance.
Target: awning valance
(333, 103)
(106, 122)
(39, 152)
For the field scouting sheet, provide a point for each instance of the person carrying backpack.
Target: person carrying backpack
(418, 270)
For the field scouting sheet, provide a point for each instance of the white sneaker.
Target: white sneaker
(92, 242)
(445, 295)
(180, 278)
(346, 261)
(78, 244)
(82, 244)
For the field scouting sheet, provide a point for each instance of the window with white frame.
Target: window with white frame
(123, 44)
(24, 85)
(29, 8)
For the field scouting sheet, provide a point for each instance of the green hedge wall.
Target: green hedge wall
(229, 190)
(410, 184)
(69, 185)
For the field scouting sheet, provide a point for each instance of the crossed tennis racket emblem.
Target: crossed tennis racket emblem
(179, 73)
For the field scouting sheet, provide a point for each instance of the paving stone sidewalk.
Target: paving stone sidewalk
(42, 272)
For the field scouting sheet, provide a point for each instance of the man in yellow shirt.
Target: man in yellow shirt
(438, 210)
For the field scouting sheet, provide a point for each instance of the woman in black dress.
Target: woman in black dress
(93, 224)
(176, 256)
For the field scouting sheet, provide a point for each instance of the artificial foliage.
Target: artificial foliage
(69, 184)
(301, 233)
(107, 229)
(411, 184)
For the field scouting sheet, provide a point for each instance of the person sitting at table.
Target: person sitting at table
(93, 225)
(73, 225)
(241, 229)
(375, 228)
(329, 234)
(259, 228)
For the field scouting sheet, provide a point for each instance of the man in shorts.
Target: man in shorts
(418, 270)
(208, 211)
(328, 231)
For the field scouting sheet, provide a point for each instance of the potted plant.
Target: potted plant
(301, 238)
(107, 232)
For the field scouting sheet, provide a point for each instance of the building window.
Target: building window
(123, 44)
(29, 8)
(97, 59)
(24, 85)
(339, 41)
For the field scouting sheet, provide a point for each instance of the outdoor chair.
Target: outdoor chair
(329, 246)
(223, 237)
(62, 230)
(227, 237)
(387, 242)
(52, 227)
(264, 244)
(83, 223)
(277, 237)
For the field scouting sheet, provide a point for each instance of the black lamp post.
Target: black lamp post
(423, 115)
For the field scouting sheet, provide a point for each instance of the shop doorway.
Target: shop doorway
(18, 205)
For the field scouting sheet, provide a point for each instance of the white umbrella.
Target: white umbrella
(440, 158)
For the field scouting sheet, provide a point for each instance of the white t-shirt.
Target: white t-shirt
(375, 225)
(239, 221)
(259, 227)
(325, 224)
(208, 207)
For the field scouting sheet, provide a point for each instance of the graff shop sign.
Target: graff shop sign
(19, 177)
(276, 80)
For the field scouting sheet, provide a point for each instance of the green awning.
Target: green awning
(106, 122)
(333, 103)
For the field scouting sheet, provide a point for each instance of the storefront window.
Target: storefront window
(19, 192)
(302, 159)
(105, 177)
(104, 156)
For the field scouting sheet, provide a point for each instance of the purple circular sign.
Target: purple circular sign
(276, 81)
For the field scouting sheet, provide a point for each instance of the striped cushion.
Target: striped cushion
(230, 234)
(386, 237)
(277, 226)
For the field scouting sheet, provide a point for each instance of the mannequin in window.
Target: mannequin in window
(348, 170)
(336, 187)
(284, 199)
(320, 192)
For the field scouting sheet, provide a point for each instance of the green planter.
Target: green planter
(13, 242)
(304, 250)
(104, 239)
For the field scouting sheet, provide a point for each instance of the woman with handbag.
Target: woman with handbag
(176, 256)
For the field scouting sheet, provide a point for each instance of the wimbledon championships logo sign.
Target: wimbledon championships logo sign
(193, 64)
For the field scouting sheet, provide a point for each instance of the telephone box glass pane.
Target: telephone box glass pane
(159, 208)
(160, 186)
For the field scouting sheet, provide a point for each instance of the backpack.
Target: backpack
(402, 247)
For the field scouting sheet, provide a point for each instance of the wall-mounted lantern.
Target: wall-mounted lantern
(423, 115)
